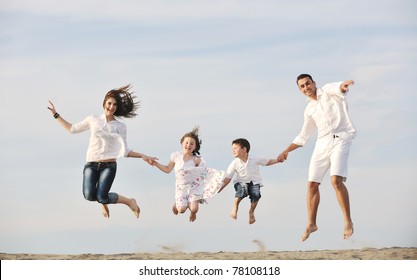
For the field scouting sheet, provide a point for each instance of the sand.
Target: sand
(393, 253)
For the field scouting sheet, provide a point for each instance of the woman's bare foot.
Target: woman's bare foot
(193, 216)
(175, 209)
(252, 218)
(134, 207)
(310, 229)
(105, 210)
(348, 230)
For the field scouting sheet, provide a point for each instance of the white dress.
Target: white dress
(194, 183)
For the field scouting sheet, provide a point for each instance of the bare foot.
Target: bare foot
(233, 214)
(252, 218)
(193, 216)
(105, 210)
(348, 230)
(175, 209)
(310, 229)
(134, 207)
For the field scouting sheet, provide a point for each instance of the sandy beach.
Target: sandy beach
(393, 253)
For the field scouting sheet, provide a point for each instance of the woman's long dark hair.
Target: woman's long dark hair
(126, 106)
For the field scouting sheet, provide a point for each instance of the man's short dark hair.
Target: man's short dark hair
(302, 76)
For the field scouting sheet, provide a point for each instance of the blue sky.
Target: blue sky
(229, 67)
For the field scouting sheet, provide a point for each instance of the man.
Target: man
(327, 113)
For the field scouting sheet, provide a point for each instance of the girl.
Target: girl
(194, 180)
(107, 143)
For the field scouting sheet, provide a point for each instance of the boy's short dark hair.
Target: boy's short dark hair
(242, 142)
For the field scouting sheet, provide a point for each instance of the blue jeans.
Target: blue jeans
(97, 181)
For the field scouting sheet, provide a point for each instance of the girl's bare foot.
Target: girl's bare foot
(348, 230)
(175, 209)
(134, 207)
(105, 210)
(310, 229)
(193, 216)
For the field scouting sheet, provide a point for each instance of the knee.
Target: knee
(337, 182)
(255, 197)
(103, 199)
(89, 196)
(182, 210)
(313, 186)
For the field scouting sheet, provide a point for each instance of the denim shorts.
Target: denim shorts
(248, 189)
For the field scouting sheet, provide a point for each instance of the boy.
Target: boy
(248, 180)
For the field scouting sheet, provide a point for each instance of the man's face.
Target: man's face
(307, 87)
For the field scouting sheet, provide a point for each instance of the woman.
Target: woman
(107, 143)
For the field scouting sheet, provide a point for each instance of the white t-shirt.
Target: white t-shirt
(246, 171)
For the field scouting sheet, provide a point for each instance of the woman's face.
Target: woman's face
(110, 106)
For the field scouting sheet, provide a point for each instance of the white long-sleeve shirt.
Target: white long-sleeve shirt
(107, 139)
(328, 115)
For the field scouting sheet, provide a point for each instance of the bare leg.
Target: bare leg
(105, 210)
(193, 209)
(131, 203)
(252, 212)
(236, 203)
(343, 199)
(313, 200)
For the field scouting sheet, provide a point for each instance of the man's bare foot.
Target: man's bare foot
(193, 216)
(348, 230)
(105, 210)
(175, 209)
(134, 207)
(252, 218)
(310, 229)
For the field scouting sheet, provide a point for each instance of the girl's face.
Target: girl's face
(188, 145)
(110, 106)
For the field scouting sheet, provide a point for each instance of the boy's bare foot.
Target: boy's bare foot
(348, 230)
(252, 218)
(233, 214)
(175, 209)
(310, 229)
(193, 216)
(134, 207)
(105, 210)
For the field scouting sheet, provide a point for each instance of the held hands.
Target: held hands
(150, 160)
(282, 156)
(344, 87)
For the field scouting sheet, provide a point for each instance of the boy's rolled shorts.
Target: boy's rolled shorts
(248, 189)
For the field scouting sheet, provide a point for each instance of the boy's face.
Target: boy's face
(238, 151)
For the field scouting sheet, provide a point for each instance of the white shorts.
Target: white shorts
(330, 154)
